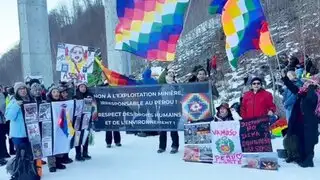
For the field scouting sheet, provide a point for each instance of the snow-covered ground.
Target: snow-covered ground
(137, 159)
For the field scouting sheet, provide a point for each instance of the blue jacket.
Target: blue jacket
(290, 98)
(146, 77)
(17, 124)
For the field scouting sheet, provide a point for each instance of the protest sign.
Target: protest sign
(74, 62)
(151, 107)
(255, 135)
(62, 112)
(33, 129)
(226, 147)
(197, 142)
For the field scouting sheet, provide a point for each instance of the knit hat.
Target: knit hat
(35, 89)
(19, 85)
(256, 79)
(81, 83)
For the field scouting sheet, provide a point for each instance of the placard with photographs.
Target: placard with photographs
(45, 112)
(79, 108)
(30, 112)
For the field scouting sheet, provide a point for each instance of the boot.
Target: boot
(60, 166)
(79, 158)
(3, 162)
(86, 156)
(52, 169)
(66, 160)
(161, 151)
(174, 151)
(108, 145)
(118, 144)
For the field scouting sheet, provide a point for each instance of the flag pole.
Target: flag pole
(277, 58)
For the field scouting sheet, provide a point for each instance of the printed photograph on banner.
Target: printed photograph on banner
(86, 121)
(85, 137)
(268, 161)
(196, 107)
(205, 153)
(197, 133)
(36, 150)
(79, 108)
(34, 132)
(77, 123)
(250, 160)
(75, 58)
(30, 112)
(46, 147)
(191, 153)
(45, 112)
(47, 129)
(77, 138)
(87, 105)
(62, 112)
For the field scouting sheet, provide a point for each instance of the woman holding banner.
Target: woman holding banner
(54, 162)
(168, 77)
(23, 166)
(82, 154)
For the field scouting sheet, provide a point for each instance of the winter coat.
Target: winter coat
(146, 77)
(2, 108)
(15, 115)
(303, 121)
(256, 104)
(290, 98)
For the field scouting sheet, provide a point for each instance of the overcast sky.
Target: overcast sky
(9, 23)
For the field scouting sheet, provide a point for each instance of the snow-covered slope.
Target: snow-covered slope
(138, 160)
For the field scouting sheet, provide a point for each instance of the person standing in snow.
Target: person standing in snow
(202, 76)
(257, 102)
(168, 77)
(304, 118)
(82, 153)
(147, 80)
(115, 135)
(289, 98)
(64, 96)
(3, 149)
(54, 163)
(15, 114)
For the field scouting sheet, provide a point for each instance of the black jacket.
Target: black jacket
(303, 120)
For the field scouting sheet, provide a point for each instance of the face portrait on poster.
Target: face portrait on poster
(75, 58)
(79, 108)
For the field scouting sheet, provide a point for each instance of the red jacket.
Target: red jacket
(256, 105)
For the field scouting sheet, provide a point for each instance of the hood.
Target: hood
(146, 77)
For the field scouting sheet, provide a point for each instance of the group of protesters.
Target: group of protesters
(300, 99)
(12, 123)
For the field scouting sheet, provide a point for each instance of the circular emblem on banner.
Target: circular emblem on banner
(225, 145)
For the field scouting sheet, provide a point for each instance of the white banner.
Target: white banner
(62, 114)
(226, 146)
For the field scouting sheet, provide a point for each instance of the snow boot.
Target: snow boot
(60, 166)
(79, 158)
(52, 169)
(118, 144)
(306, 164)
(108, 145)
(174, 151)
(86, 156)
(142, 134)
(161, 151)
(3, 162)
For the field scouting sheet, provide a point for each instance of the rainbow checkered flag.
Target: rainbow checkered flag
(150, 28)
(245, 27)
(114, 78)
